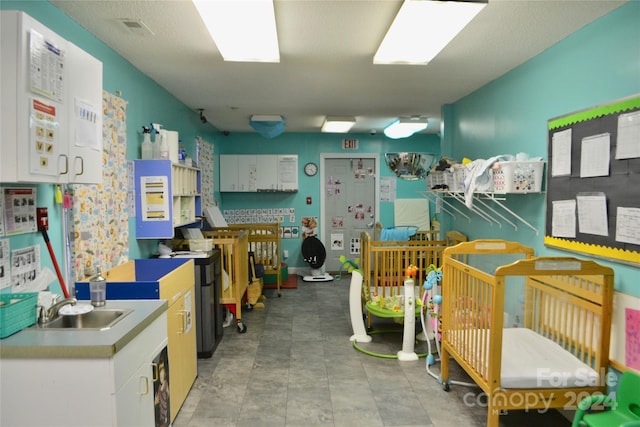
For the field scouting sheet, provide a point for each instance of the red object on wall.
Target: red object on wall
(42, 215)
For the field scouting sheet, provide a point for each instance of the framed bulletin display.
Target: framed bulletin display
(593, 181)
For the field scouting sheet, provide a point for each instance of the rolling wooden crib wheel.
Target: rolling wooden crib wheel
(241, 328)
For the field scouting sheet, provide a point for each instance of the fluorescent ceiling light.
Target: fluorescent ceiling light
(423, 28)
(244, 31)
(338, 124)
(403, 128)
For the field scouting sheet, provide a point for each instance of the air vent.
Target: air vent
(136, 26)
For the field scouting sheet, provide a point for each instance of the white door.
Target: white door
(349, 204)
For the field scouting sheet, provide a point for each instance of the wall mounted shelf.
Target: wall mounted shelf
(487, 206)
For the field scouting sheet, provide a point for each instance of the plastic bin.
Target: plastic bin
(518, 177)
(200, 245)
(17, 311)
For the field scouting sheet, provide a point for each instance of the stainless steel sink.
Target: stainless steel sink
(98, 319)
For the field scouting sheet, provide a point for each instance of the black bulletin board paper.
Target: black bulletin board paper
(621, 186)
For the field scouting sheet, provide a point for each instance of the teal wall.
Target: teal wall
(598, 64)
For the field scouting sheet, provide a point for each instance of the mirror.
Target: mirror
(410, 166)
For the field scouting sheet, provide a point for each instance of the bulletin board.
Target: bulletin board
(593, 181)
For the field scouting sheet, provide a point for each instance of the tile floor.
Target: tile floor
(295, 366)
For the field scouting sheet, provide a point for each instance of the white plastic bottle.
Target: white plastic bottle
(146, 150)
(164, 145)
(156, 141)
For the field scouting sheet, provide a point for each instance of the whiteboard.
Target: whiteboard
(412, 212)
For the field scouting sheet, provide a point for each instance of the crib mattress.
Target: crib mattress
(530, 360)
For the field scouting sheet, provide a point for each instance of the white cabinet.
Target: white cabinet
(51, 106)
(103, 391)
(168, 195)
(258, 173)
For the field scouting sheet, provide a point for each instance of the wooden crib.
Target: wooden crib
(384, 265)
(560, 352)
(234, 256)
(265, 243)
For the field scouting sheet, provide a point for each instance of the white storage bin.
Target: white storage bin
(440, 178)
(518, 177)
(200, 245)
(459, 174)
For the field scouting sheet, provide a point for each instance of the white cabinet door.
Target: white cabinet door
(134, 401)
(134, 373)
(51, 128)
(228, 172)
(247, 173)
(267, 173)
(85, 121)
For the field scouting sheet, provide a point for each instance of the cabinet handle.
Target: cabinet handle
(144, 381)
(154, 369)
(184, 322)
(81, 165)
(66, 164)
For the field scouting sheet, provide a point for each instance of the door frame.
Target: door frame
(323, 190)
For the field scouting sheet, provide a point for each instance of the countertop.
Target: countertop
(35, 342)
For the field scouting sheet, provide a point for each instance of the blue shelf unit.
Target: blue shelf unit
(168, 195)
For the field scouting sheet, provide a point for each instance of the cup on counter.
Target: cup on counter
(98, 291)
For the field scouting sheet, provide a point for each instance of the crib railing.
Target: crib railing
(469, 301)
(384, 263)
(571, 309)
(473, 306)
(234, 256)
(264, 241)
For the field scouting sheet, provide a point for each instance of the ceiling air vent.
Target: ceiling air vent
(136, 26)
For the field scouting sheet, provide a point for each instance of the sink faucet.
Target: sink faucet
(52, 312)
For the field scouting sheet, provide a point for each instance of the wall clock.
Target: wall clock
(310, 169)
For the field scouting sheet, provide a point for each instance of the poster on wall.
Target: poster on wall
(20, 210)
(632, 334)
(47, 67)
(5, 265)
(25, 268)
(155, 198)
(1, 216)
(387, 189)
(337, 241)
(86, 120)
(309, 226)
